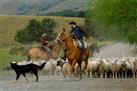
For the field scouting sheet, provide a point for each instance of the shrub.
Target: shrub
(34, 29)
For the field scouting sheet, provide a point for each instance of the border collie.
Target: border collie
(26, 68)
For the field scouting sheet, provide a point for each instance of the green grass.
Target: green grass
(9, 25)
(6, 58)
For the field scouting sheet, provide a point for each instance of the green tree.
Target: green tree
(21, 35)
(34, 29)
(48, 26)
(119, 16)
(93, 30)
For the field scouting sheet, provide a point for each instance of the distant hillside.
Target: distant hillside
(40, 7)
(69, 13)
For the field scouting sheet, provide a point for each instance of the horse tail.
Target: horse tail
(28, 55)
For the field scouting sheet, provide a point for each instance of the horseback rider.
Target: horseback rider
(78, 34)
(45, 45)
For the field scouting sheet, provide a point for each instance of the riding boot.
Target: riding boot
(82, 47)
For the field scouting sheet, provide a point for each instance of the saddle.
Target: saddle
(85, 52)
(78, 43)
(44, 49)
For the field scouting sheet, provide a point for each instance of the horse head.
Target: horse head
(62, 36)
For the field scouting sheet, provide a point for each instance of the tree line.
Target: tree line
(113, 19)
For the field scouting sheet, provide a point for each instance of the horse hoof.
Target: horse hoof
(36, 80)
(80, 77)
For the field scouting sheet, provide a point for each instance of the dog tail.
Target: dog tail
(42, 66)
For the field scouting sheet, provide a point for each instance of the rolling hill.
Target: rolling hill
(40, 7)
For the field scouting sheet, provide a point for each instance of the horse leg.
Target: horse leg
(85, 68)
(71, 71)
(72, 68)
(80, 71)
(86, 63)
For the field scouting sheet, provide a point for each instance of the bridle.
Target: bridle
(59, 40)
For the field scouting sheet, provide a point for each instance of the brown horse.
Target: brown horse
(40, 54)
(73, 53)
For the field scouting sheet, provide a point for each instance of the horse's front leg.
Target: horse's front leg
(86, 63)
(80, 71)
(71, 68)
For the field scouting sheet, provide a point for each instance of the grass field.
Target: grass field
(10, 24)
(6, 58)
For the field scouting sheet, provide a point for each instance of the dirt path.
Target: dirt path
(56, 83)
(116, 50)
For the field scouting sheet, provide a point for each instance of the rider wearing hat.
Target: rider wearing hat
(45, 44)
(78, 35)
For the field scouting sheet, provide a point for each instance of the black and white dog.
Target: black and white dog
(26, 68)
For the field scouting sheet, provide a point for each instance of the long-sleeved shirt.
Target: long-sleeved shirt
(78, 33)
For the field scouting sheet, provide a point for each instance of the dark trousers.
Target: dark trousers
(82, 47)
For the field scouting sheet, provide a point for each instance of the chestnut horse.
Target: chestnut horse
(40, 54)
(73, 53)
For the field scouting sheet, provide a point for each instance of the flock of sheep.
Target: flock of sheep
(96, 68)
(106, 68)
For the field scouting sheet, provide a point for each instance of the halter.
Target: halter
(59, 39)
